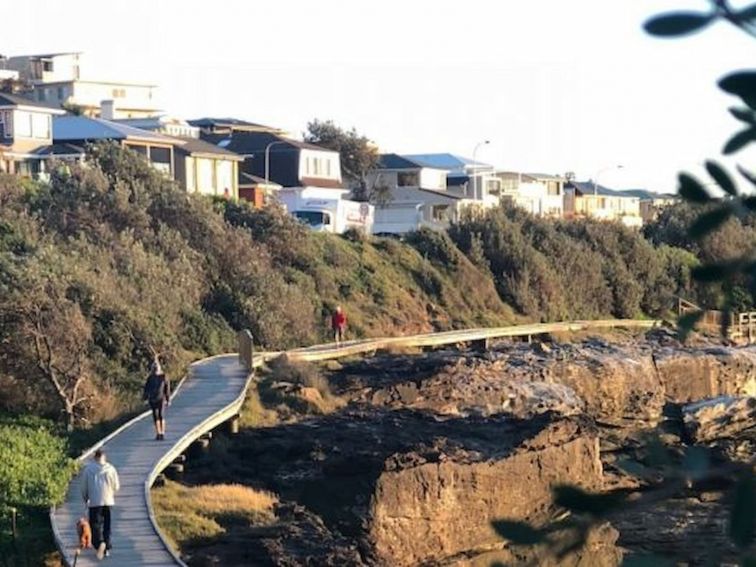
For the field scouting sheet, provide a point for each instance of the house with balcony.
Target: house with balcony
(26, 126)
(589, 200)
(539, 194)
(418, 196)
(56, 79)
(466, 178)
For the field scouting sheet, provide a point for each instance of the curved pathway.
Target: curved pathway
(213, 393)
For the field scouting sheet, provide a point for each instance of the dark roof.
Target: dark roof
(208, 122)
(395, 161)
(60, 150)
(8, 99)
(587, 188)
(195, 146)
(249, 142)
(249, 179)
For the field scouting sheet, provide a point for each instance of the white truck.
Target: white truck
(325, 210)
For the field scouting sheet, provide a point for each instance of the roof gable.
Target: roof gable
(8, 99)
(84, 128)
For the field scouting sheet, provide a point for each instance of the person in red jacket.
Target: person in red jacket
(338, 324)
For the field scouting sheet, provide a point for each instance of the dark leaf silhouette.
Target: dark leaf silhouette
(743, 513)
(686, 323)
(578, 500)
(742, 84)
(519, 533)
(712, 272)
(746, 15)
(747, 174)
(722, 178)
(709, 222)
(691, 190)
(744, 115)
(739, 141)
(677, 23)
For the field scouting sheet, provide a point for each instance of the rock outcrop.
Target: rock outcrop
(720, 418)
(413, 489)
(691, 374)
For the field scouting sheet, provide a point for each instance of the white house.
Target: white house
(418, 196)
(56, 79)
(540, 194)
(466, 178)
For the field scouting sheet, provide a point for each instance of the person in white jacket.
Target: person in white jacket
(99, 484)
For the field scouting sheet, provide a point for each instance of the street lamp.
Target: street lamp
(267, 158)
(600, 171)
(475, 166)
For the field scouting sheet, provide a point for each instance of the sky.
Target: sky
(553, 85)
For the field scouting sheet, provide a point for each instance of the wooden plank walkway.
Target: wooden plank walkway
(214, 384)
(212, 394)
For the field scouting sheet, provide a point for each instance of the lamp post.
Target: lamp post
(600, 171)
(475, 166)
(267, 158)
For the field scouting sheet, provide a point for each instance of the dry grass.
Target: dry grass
(255, 414)
(187, 514)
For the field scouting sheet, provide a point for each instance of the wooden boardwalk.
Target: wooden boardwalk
(213, 384)
(212, 394)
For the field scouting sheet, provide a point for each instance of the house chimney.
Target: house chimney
(107, 109)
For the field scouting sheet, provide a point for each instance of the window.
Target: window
(40, 125)
(408, 179)
(61, 93)
(47, 66)
(41, 95)
(553, 188)
(119, 93)
(440, 213)
(313, 218)
(23, 124)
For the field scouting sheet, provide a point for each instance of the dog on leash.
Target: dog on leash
(84, 530)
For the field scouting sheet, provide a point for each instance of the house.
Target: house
(588, 199)
(651, 203)
(256, 189)
(285, 162)
(466, 178)
(540, 194)
(201, 167)
(78, 131)
(25, 127)
(418, 196)
(56, 79)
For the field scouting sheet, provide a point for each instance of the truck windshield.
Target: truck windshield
(313, 218)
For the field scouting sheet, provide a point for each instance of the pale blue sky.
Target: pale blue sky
(556, 85)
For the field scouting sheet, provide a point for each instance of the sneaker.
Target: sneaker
(157, 437)
(107, 553)
(101, 550)
(161, 436)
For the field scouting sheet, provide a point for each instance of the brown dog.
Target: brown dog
(85, 533)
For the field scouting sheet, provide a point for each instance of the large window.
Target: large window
(440, 213)
(319, 166)
(408, 179)
(313, 218)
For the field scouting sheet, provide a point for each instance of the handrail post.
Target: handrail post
(246, 349)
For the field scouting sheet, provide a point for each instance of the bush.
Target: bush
(34, 467)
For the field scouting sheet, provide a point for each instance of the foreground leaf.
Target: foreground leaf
(743, 512)
(678, 23)
(578, 500)
(739, 141)
(686, 323)
(742, 84)
(722, 178)
(519, 533)
(709, 222)
(692, 190)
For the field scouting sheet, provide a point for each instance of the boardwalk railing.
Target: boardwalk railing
(249, 360)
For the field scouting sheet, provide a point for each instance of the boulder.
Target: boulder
(720, 418)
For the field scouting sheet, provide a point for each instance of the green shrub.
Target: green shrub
(34, 466)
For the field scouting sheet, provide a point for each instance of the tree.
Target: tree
(47, 336)
(359, 156)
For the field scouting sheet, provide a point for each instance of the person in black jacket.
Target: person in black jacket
(157, 391)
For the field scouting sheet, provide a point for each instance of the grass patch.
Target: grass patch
(190, 514)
